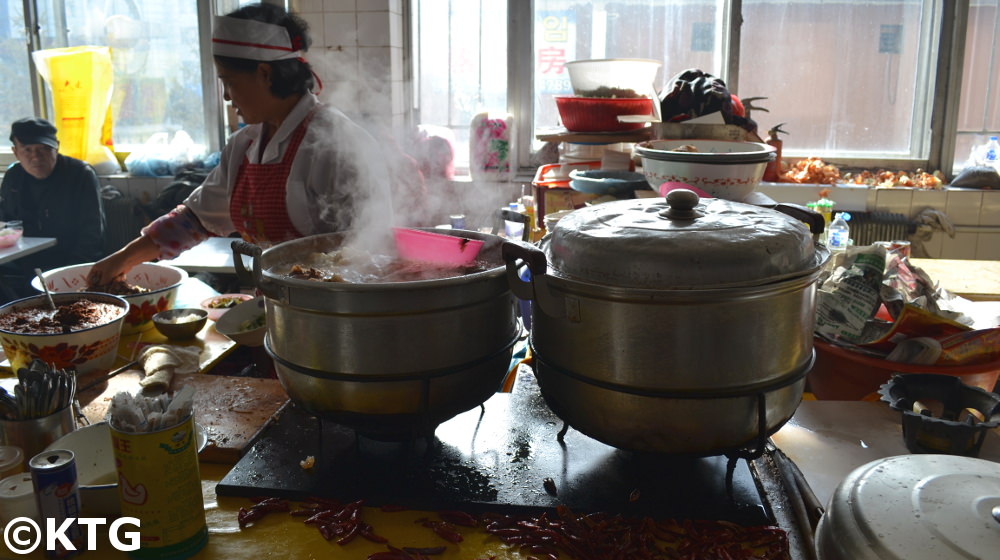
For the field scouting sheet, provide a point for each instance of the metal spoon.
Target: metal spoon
(48, 295)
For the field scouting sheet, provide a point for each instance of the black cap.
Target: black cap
(33, 130)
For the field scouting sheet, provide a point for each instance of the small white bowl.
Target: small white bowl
(217, 306)
(234, 323)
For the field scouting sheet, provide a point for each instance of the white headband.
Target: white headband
(252, 40)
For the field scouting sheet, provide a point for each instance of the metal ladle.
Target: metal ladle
(48, 295)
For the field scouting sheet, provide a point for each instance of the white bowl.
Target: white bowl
(728, 151)
(724, 169)
(85, 350)
(95, 466)
(161, 280)
(733, 181)
(233, 323)
(218, 305)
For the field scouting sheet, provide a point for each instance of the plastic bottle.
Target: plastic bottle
(512, 229)
(838, 235)
(991, 153)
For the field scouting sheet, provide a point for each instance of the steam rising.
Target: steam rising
(391, 190)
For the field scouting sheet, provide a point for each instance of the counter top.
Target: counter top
(977, 280)
(829, 439)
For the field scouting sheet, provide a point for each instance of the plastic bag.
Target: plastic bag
(81, 81)
(160, 157)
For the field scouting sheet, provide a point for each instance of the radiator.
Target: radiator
(869, 227)
(124, 219)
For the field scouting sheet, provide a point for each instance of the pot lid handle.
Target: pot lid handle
(682, 204)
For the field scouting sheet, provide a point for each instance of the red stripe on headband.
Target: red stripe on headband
(256, 45)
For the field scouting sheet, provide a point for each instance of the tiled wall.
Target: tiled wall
(358, 54)
(974, 213)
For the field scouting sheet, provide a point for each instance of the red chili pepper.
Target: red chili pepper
(460, 518)
(351, 533)
(446, 531)
(366, 532)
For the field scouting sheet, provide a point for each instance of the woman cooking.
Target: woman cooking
(297, 168)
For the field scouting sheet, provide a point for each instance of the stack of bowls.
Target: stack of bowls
(728, 169)
(606, 88)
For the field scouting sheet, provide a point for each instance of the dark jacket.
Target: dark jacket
(66, 205)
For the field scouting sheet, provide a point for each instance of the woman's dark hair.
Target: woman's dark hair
(288, 77)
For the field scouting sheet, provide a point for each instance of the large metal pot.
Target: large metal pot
(678, 326)
(391, 360)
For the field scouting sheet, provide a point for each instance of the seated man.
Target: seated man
(54, 196)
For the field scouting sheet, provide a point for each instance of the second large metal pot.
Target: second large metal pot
(391, 360)
(680, 327)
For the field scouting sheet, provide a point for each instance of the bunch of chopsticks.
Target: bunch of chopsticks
(41, 390)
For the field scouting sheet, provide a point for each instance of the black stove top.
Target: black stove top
(495, 457)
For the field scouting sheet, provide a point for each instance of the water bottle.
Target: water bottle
(991, 154)
(839, 233)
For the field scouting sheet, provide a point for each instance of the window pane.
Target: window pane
(155, 56)
(15, 79)
(847, 77)
(681, 34)
(979, 108)
(462, 64)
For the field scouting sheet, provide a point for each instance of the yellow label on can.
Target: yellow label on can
(159, 483)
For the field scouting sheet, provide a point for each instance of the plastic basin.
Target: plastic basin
(841, 374)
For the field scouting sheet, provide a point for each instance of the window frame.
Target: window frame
(947, 22)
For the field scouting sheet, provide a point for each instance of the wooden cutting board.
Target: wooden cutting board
(233, 410)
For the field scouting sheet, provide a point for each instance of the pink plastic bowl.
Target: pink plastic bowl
(438, 248)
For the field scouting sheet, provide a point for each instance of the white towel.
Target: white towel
(161, 362)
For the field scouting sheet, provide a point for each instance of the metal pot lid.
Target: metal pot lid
(914, 507)
(681, 242)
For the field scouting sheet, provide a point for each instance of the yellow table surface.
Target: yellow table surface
(280, 535)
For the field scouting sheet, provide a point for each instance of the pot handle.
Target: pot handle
(811, 217)
(520, 253)
(241, 248)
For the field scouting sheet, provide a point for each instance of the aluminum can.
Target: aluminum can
(53, 475)
(457, 221)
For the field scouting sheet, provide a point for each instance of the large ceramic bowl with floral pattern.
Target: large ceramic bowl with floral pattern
(159, 282)
(82, 334)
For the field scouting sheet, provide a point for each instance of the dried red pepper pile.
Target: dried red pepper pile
(564, 534)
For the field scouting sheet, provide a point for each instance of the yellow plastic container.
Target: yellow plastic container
(81, 81)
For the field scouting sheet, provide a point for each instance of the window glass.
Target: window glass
(681, 34)
(979, 108)
(846, 77)
(15, 79)
(155, 58)
(462, 66)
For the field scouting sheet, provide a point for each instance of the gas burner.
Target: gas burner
(497, 457)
